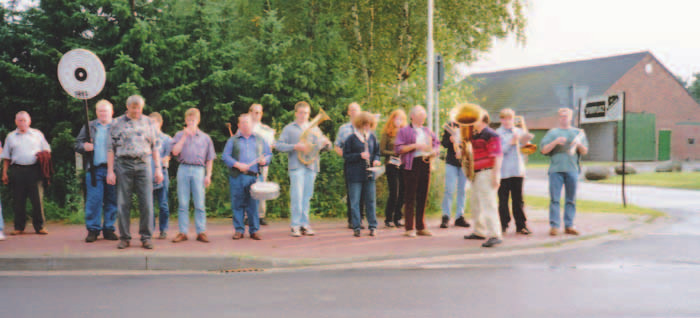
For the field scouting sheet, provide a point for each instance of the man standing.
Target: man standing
(101, 197)
(417, 145)
(302, 177)
(267, 133)
(195, 153)
(512, 173)
(21, 148)
(454, 178)
(134, 139)
(245, 154)
(160, 190)
(564, 145)
(487, 176)
(345, 131)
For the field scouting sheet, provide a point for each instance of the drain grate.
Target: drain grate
(242, 270)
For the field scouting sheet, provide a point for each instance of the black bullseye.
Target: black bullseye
(80, 74)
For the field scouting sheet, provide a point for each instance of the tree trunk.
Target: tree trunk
(360, 47)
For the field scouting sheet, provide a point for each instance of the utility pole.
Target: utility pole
(430, 84)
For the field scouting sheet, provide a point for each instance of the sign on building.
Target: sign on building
(602, 108)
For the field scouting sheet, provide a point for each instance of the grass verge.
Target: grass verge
(585, 206)
(685, 180)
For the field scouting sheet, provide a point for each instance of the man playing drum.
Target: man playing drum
(245, 153)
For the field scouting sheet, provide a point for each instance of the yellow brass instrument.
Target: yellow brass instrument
(313, 138)
(466, 115)
(528, 148)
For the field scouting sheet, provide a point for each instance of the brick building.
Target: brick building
(662, 119)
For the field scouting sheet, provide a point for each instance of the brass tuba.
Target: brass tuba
(313, 139)
(465, 115)
(528, 148)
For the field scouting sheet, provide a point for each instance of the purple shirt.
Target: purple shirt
(197, 150)
(407, 136)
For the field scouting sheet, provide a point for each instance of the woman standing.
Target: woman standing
(394, 178)
(360, 152)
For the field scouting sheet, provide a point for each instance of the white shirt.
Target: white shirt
(21, 148)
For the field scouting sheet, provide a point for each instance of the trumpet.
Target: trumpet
(528, 148)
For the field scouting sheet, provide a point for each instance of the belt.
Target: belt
(250, 173)
(25, 166)
(133, 157)
(104, 165)
(475, 171)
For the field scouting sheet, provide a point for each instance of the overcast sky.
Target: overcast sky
(568, 30)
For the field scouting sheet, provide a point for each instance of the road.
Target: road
(651, 273)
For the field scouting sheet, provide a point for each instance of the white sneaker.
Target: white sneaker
(2, 236)
(295, 231)
(410, 233)
(306, 230)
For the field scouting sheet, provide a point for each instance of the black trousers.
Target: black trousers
(394, 202)
(25, 182)
(347, 201)
(513, 187)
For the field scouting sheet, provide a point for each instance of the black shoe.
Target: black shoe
(92, 236)
(110, 235)
(474, 237)
(461, 222)
(147, 244)
(388, 224)
(445, 220)
(492, 242)
(262, 221)
(398, 223)
(357, 233)
(524, 231)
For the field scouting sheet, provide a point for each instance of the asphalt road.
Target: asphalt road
(655, 273)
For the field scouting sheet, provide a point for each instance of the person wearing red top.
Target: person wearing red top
(486, 145)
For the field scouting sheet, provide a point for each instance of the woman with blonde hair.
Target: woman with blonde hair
(392, 213)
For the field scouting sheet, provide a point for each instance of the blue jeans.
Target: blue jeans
(243, 203)
(454, 177)
(366, 191)
(190, 180)
(160, 197)
(100, 198)
(568, 180)
(300, 192)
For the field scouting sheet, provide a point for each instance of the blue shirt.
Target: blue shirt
(166, 147)
(100, 146)
(247, 152)
(561, 158)
(513, 164)
(197, 150)
(344, 132)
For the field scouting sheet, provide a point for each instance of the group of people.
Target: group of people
(130, 155)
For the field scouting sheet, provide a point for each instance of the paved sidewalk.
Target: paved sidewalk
(64, 248)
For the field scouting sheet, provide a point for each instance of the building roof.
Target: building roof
(543, 89)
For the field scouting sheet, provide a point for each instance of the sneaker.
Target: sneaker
(307, 231)
(110, 235)
(461, 222)
(492, 242)
(262, 221)
(571, 230)
(181, 237)
(474, 237)
(123, 244)
(2, 236)
(388, 224)
(295, 231)
(373, 232)
(524, 231)
(410, 233)
(554, 231)
(356, 233)
(147, 244)
(92, 236)
(445, 220)
(424, 232)
(163, 235)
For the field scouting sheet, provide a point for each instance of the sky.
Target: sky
(569, 30)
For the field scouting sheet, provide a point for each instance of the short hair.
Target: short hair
(23, 113)
(157, 117)
(507, 113)
(135, 99)
(486, 118)
(567, 111)
(243, 116)
(192, 112)
(104, 102)
(250, 109)
(301, 104)
(354, 104)
(416, 109)
(364, 118)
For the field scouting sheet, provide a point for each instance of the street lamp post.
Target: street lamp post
(430, 85)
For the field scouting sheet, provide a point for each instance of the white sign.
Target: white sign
(602, 108)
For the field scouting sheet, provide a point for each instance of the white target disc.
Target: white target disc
(81, 74)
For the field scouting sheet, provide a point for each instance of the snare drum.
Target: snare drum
(264, 191)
